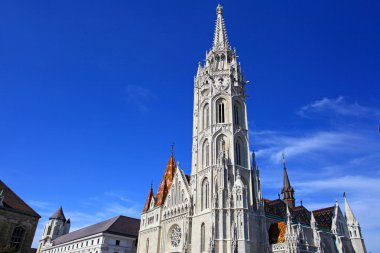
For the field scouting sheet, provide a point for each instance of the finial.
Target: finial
(172, 148)
(301, 202)
(344, 194)
(279, 196)
(219, 9)
(283, 159)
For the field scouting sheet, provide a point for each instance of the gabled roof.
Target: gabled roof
(324, 217)
(148, 199)
(13, 202)
(58, 215)
(119, 225)
(166, 182)
(277, 207)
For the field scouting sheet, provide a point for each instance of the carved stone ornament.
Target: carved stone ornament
(175, 235)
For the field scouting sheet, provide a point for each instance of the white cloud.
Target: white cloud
(338, 106)
(139, 96)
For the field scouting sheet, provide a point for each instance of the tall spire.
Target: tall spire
(350, 217)
(220, 35)
(287, 189)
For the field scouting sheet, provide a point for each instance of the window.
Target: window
(17, 237)
(205, 194)
(220, 110)
(203, 237)
(117, 242)
(206, 154)
(237, 114)
(206, 117)
(238, 153)
(147, 245)
(98, 241)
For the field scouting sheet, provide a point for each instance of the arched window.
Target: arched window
(17, 237)
(205, 194)
(206, 154)
(238, 152)
(147, 246)
(206, 116)
(220, 111)
(237, 116)
(203, 233)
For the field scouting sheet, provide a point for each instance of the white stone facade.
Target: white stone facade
(97, 243)
(219, 207)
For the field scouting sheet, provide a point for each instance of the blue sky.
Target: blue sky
(93, 93)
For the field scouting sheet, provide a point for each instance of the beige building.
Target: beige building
(18, 221)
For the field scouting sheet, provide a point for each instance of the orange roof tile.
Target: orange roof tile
(277, 232)
(166, 182)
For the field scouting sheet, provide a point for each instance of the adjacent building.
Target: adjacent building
(219, 206)
(18, 221)
(118, 234)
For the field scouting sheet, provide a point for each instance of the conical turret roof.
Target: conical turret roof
(350, 217)
(58, 214)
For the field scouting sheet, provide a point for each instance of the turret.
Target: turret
(287, 190)
(55, 227)
(353, 228)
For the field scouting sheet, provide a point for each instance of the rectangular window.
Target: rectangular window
(117, 242)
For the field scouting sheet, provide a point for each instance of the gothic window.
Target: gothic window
(17, 237)
(49, 230)
(238, 153)
(206, 116)
(220, 110)
(203, 233)
(205, 194)
(237, 114)
(206, 154)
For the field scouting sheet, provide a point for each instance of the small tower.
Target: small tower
(353, 228)
(287, 190)
(55, 227)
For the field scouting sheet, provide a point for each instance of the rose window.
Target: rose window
(175, 235)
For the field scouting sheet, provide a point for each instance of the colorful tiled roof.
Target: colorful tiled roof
(13, 201)
(148, 199)
(277, 232)
(324, 217)
(166, 182)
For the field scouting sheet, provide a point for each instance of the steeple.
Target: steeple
(350, 217)
(220, 34)
(58, 215)
(166, 181)
(287, 189)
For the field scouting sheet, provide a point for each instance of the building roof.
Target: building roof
(324, 217)
(119, 225)
(166, 182)
(148, 199)
(277, 232)
(58, 215)
(13, 202)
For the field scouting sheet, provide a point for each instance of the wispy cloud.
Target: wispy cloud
(339, 106)
(140, 96)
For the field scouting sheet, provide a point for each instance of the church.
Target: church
(219, 206)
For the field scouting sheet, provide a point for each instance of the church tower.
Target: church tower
(55, 227)
(227, 209)
(354, 229)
